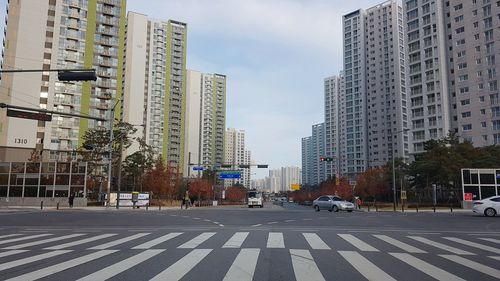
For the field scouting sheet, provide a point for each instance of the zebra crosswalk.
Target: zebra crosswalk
(307, 255)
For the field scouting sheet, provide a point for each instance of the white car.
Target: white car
(489, 206)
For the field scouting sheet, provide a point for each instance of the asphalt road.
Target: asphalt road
(233, 243)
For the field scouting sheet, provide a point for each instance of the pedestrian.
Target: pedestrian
(358, 202)
(187, 200)
(71, 200)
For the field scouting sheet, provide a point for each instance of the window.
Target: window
(458, 7)
(467, 127)
(465, 102)
(459, 18)
(466, 114)
(460, 42)
(459, 30)
(464, 77)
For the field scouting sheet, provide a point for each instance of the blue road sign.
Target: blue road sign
(197, 168)
(229, 176)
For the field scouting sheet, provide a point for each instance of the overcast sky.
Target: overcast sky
(275, 54)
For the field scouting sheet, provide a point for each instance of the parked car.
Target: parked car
(332, 203)
(489, 206)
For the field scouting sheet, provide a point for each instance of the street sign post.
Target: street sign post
(197, 168)
(403, 194)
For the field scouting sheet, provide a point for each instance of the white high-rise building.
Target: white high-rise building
(289, 176)
(205, 119)
(52, 34)
(155, 84)
(333, 87)
(235, 155)
(275, 180)
(313, 147)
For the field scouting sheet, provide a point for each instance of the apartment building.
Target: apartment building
(155, 87)
(205, 119)
(68, 34)
(235, 155)
(333, 87)
(290, 175)
(428, 96)
(313, 147)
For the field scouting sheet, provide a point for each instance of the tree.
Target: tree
(201, 189)
(161, 180)
(343, 190)
(137, 163)
(372, 184)
(236, 193)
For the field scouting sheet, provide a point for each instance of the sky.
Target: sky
(275, 55)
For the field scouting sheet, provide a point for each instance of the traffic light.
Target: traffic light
(85, 75)
(244, 166)
(327, 159)
(321, 158)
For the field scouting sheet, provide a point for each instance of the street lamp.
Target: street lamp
(393, 167)
(110, 164)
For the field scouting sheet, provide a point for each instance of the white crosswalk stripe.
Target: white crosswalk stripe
(118, 242)
(474, 265)
(31, 259)
(79, 242)
(315, 241)
(121, 266)
(304, 267)
(10, 253)
(182, 266)
(473, 244)
(440, 245)
(159, 240)
(495, 258)
(491, 240)
(236, 240)
(403, 246)
(38, 274)
(39, 242)
(9, 235)
(362, 246)
(426, 268)
(24, 238)
(275, 240)
(243, 267)
(195, 242)
(369, 270)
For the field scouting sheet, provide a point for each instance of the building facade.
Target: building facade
(235, 155)
(155, 88)
(313, 147)
(205, 118)
(65, 34)
(333, 87)
(289, 176)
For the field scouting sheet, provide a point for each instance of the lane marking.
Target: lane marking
(405, 247)
(24, 238)
(181, 267)
(473, 244)
(315, 241)
(79, 242)
(195, 242)
(121, 266)
(495, 257)
(272, 222)
(243, 267)
(426, 268)
(259, 224)
(118, 242)
(358, 243)
(9, 235)
(236, 240)
(304, 267)
(275, 240)
(289, 220)
(473, 265)
(25, 245)
(441, 246)
(369, 270)
(24, 261)
(38, 274)
(154, 242)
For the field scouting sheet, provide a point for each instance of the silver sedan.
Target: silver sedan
(332, 203)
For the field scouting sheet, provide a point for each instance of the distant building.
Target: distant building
(313, 147)
(333, 87)
(289, 176)
(235, 154)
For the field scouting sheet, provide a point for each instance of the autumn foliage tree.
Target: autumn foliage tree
(236, 193)
(162, 180)
(201, 189)
(343, 190)
(372, 184)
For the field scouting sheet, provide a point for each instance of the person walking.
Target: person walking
(71, 200)
(187, 200)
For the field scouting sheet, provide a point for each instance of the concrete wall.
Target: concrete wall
(47, 201)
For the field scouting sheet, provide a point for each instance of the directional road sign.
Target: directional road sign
(230, 175)
(197, 168)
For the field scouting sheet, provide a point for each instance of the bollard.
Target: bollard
(41, 205)
(368, 208)
(159, 207)
(376, 208)
(434, 207)
(57, 206)
(417, 208)
(402, 208)
(147, 205)
(451, 208)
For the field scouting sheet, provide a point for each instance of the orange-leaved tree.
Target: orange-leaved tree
(162, 180)
(372, 184)
(236, 193)
(201, 189)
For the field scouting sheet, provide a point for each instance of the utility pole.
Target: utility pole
(110, 164)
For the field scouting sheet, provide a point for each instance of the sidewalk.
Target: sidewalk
(420, 210)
